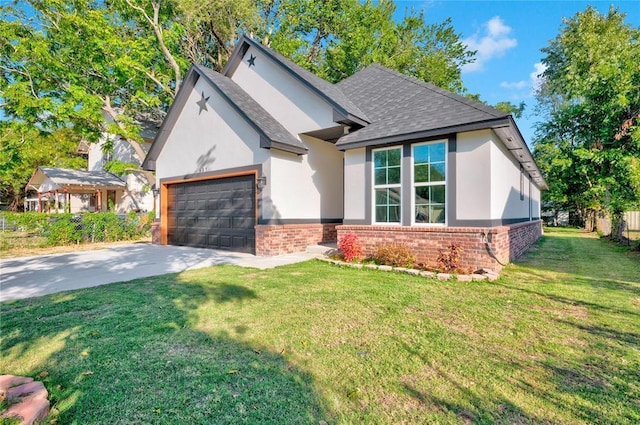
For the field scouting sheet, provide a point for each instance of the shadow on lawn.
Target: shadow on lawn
(131, 355)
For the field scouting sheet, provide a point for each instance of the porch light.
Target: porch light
(262, 182)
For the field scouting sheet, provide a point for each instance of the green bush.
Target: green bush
(65, 229)
(28, 221)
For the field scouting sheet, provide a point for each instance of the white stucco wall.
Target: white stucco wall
(137, 195)
(505, 185)
(296, 107)
(216, 139)
(354, 184)
(304, 186)
(473, 175)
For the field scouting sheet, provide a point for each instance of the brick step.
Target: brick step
(324, 249)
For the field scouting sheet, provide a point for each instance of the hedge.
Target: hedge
(65, 229)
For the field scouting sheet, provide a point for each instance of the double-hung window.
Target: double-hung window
(387, 175)
(429, 182)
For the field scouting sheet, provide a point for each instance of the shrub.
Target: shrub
(395, 255)
(449, 258)
(351, 249)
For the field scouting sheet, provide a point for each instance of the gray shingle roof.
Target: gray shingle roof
(330, 92)
(65, 176)
(277, 135)
(399, 105)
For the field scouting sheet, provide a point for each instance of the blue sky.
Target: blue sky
(508, 36)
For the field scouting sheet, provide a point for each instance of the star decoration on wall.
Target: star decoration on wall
(202, 103)
(252, 61)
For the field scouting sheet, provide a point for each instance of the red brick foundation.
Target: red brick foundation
(483, 247)
(288, 238)
(155, 233)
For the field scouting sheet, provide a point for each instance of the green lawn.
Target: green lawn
(555, 340)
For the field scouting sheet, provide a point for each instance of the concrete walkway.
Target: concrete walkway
(26, 277)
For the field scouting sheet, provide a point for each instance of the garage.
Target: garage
(217, 213)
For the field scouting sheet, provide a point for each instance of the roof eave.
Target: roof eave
(424, 134)
(512, 139)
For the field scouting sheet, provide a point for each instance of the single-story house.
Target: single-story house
(268, 158)
(66, 190)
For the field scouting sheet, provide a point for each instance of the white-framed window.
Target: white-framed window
(429, 176)
(387, 185)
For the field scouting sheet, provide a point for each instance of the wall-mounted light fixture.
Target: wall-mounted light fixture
(155, 191)
(262, 182)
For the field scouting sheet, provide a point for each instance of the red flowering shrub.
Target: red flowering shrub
(351, 249)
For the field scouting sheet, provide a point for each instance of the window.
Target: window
(387, 172)
(429, 182)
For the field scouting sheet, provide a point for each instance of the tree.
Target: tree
(73, 64)
(511, 108)
(590, 143)
(23, 148)
(337, 38)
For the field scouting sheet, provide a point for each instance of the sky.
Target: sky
(508, 36)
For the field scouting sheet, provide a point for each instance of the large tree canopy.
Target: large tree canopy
(96, 65)
(589, 147)
(337, 38)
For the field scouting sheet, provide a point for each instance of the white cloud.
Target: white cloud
(514, 86)
(492, 42)
(536, 75)
(526, 88)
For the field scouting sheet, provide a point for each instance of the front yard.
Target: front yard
(554, 340)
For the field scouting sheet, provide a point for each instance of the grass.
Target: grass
(554, 340)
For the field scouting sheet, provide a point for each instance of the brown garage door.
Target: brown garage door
(217, 213)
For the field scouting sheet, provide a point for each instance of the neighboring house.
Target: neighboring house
(268, 158)
(95, 189)
(65, 190)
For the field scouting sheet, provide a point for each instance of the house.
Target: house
(95, 189)
(66, 190)
(268, 158)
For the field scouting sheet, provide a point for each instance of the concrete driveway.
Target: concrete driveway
(47, 274)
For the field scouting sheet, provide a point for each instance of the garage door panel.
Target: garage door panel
(213, 213)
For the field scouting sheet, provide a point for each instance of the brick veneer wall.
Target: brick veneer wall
(288, 238)
(522, 236)
(155, 233)
(483, 247)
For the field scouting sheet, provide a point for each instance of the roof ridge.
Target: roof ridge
(453, 96)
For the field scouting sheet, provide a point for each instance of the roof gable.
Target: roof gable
(272, 133)
(345, 110)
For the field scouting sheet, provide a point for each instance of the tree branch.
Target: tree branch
(157, 29)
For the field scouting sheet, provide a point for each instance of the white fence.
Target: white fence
(633, 220)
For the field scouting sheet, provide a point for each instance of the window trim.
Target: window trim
(386, 186)
(414, 185)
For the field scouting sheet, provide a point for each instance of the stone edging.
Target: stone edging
(487, 275)
(28, 399)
